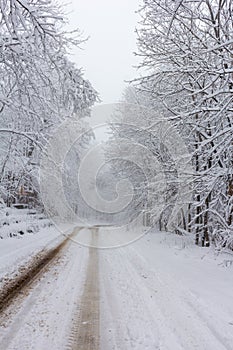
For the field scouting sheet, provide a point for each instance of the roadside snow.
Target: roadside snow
(23, 236)
(162, 292)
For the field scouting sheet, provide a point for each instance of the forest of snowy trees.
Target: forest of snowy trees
(39, 88)
(186, 51)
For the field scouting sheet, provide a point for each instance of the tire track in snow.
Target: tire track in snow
(41, 315)
(85, 333)
(17, 285)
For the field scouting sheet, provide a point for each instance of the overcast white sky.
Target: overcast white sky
(107, 58)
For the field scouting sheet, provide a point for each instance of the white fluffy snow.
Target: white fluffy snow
(16, 249)
(162, 292)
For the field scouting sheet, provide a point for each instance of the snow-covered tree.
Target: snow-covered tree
(187, 48)
(39, 86)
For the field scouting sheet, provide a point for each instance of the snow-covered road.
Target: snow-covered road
(44, 314)
(147, 308)
(157, 293)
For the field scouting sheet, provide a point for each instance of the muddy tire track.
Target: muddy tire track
(27, 274)
(85, 332)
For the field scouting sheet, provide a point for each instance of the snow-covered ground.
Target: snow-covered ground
(44, 315)
(160, 292)
(23, 235)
